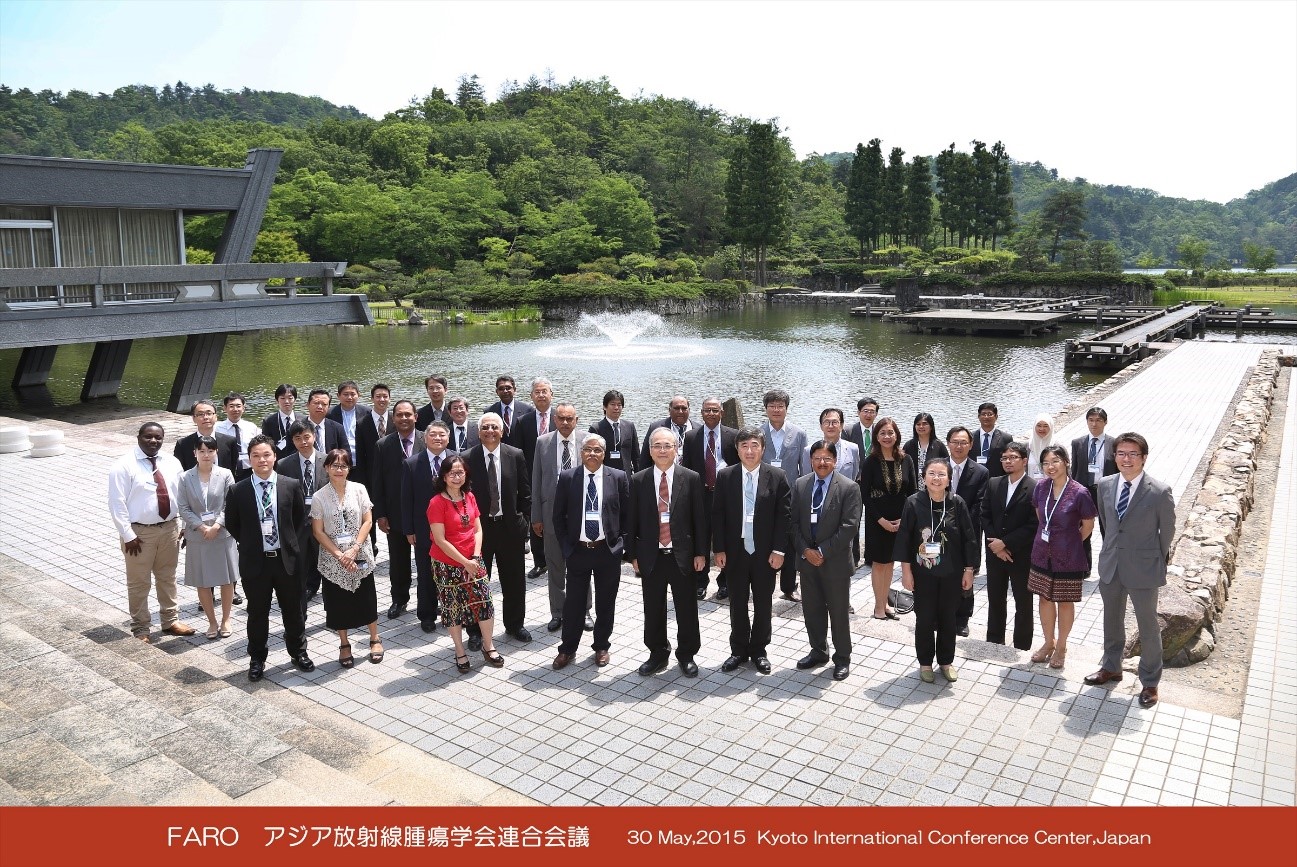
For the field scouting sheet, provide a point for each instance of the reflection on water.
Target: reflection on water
(821, 357)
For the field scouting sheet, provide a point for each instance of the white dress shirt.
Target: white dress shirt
(133, 494)
(586, 506)
(487, 456)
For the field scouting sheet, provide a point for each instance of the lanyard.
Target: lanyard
(932, 515)
(1049, 513)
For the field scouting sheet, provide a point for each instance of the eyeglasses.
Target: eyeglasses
(663, 446)
(1130, 455)
(591, 450)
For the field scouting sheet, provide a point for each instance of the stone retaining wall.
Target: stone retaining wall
(1202, 564)
(566, 311)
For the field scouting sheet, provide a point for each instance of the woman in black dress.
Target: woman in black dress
(924, 445)
(886, 479)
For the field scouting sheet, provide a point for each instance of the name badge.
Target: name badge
(1044, 535)
(747, 519)
(307, 499)
(932, 549)
(345, 542)
(615, 456)
(777, 464)
(815, 517)
(267, 526)
(664, 518)
(1038, 475)
(281, 444)
(981, 459)
(209, 517)
(1095, 469)
(592, 516)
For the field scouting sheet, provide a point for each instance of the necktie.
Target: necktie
(319, 436)
(285, 422)
(710, 460)
(986, 443)
(664, 507)
(1094, 448)
(436, 465)
(591, 505)
(272, 537)
(308, 475)
(567, 455)
(493, 483)
(382, 426)
(405, 446)
(544, 423)
(460, 434)
(238, 434)
(505, 413)
(1123, 501)
(954, 479)
(749, 508)
(164, 496)
(817, 503)
(869, 441)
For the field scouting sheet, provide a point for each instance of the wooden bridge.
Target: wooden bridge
(1131, 341)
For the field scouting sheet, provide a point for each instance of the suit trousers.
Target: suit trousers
(398, 567)
(825, 607)
(750, 574)
(604, 567)
(703, 576)
(310, 569)
(557, 575)
(539, 546)
(788, 574)
(666, 573)
(1000, 576)
(427, 606)
(503, 542)
(155, 565)
(1144, 601)
(936, 604)
(286, 589)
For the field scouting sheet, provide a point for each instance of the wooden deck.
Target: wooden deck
(1022, 323)
(1131, 341)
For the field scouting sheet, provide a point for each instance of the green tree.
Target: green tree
(1062, 217)
(1258, 257)
(893, 198)
(616, 210)
(470, 97)
(1193, 253)
(757, 205)
(1002, 206)
(865, 195)
(918, 202)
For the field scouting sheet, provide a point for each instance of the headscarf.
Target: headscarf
(1037, 443)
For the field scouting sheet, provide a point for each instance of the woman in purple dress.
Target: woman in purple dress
(1058, 564)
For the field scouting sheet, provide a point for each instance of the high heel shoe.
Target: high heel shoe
(465, 666)
(376, 650)
(1043, 654)
(1060, 656)
(493, 657)
(345, 659)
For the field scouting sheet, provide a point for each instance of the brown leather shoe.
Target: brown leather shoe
(561, 661)
(601, 658)
(179, 628)
(1148, 696)
(1102, 676)
(143, 636)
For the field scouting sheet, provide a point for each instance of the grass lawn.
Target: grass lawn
(1234, 296)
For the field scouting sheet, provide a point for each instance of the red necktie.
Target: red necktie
(664, 506)
(710, 463)
(164, 498)
(544, 423)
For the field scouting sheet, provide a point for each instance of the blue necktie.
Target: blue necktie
(1094, 449)
(749, 509)
(272, 538)
(986, 443)
(1123, 501)
(817, 503)
(591, 505)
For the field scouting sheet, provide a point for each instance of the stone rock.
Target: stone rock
(415, 318)
(1179, 615)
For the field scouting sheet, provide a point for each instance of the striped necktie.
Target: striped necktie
(1123, 501)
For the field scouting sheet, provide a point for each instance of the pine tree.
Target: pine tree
(893, 205)
(918, 202)
(757, 193)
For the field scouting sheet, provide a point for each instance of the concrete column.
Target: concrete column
(197, 372)
(34, 366)
(107, 364)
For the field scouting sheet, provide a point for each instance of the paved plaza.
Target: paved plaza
(88, 715)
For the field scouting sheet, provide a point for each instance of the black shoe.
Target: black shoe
(554, 625)
(475, 643)
(520, 633)
(792, 596)
(702, 592)
(238, 600)
(397, 609)
(589, 624)
(256, 670)
(536, 572)
(302, 662)
(962, 631)
(689, 667)
(732, 663)
(723, 593)
(653, 665)
(812, 660)
(428, 625)
(762, 664)
(841, 671)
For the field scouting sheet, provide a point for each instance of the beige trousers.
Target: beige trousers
(155, 564)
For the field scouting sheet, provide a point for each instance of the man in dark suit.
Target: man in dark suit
(708, 449)
(329, 435)
(988, 440)
(385, 471)
(463, 430)
(669, 542)
(968, 480)
(418, 473)
(678, 421)
(826, 517)
(436, 408)
(861, 432)
(498, 476)
(348, 412)
(618, 433)
(592, 517)
(508, 408)
(530, 426)
(1137, 516)
(264, 514)
(371, 427)
(276, 424)
(306, 465)
(750, 523)
(227, 450)
(1092, 460)
(1009, 521)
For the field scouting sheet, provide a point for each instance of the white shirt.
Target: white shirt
(586, 505)
(486, 456)
(274, 506)
(615, 445)
(317, 428)
(777, 442)
(247, 430)
(756, 486)
(349, 425)
(316, 473)
(1121, 483)
(380, 417)
(956, 473)
(133, 494)
(1013, 486)
(459, 432)
(716, 432)
(574, 456)
(657, 483)
(432, 462)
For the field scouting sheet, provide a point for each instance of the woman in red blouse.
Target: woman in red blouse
(463, 591)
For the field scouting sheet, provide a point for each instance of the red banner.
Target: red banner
(632, 836)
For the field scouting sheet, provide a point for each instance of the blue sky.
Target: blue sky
(1194, 99)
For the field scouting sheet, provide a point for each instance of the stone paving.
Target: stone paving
(1006, 733)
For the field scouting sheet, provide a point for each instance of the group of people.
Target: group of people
(296, 505)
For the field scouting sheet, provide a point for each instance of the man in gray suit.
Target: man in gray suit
(785, 449)
(826, 517)
(1137, 515)
(556, 451)
(1092, 458)
(845, 453)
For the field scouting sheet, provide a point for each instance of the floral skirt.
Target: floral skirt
(463, 599)
(1056, 586)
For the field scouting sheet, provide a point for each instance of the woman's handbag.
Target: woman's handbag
(900, 599)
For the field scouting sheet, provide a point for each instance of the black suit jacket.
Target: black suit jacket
(243, 520)
(270, 426)
(772, 517)
(936, 449)
(334, 436)
(645, 459)
(416, 494)
(1014, 522)
(385, 474)
(626, 441)
(695, 457)
(519, 408)
(689, 533)
(1080, 469)
(614, 508)
(366, 443)
(972, 487)
(427, 415)
(999, 439)
(525, 435)
(227, 452)
(291, 466)
(515, 485)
